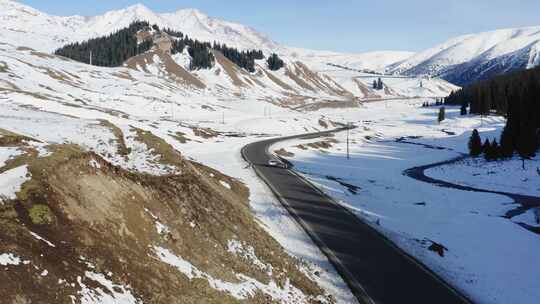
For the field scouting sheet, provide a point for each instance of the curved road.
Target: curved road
(375, 269)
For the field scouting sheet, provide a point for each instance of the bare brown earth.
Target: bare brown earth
(299, 81)
(98, 218)
(119, 140)
(284, 153)
(327, 143)
(332, 104)
(231, 69)
(364, 89)
(278, 81)
(169, 66)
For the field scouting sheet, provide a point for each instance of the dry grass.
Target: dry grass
(119, 140)
(284, 153)
(3, 67)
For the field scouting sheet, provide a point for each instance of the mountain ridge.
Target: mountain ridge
(473, 57)
(17, 18)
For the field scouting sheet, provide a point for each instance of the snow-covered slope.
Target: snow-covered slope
(476, 56)
(373, 61)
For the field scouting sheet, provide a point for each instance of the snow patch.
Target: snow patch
(36, 236)
(11, 182)
(11, 259)
(241, 291)
(248, 252)
(225, 184)
(109, 293)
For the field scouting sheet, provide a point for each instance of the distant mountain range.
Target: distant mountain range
(460, 60)
(468, 58)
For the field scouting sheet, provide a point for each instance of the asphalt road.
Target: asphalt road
(376, 270)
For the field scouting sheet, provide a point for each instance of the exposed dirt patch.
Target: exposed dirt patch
(10, 139)
(330, 104)
(230, 68)
(124, 75)
(278, 81)
(168, 65)
(323, 124)
(209, 108)
(324, 144)
(119, 140)
(24, 49)
(205, 133)
(3, 67)
(365, 90)
(284, 153)
(299, 81)
(180, 137)
(167, 154)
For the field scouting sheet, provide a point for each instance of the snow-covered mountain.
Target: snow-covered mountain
(473, 57)
(37, 27)
(22, 25)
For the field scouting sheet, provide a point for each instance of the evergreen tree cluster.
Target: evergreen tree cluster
(109, 51)
(114, 49)
(174, 33)
(274, 62)
(492, 150)
(243, 59)
(438, 102)
(378, 84)
(515, 95)
(201, 57)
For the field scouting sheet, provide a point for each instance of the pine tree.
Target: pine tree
(375, 86)
(507, 143)
(488, 151)
(274, 62)
(495, 150)
(442, 114)
(463, 110)
(486, 146)
(475, 144)
(380, 84)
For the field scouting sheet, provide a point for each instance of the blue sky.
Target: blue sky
(341, 25)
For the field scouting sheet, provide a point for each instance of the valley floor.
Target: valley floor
(127, 121)
(488, 257)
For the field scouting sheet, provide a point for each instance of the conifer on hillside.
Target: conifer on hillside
(274, 62)
(475, 144)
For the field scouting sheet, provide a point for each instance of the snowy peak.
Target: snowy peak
(203, 27)
(477, 56)
(115, 20)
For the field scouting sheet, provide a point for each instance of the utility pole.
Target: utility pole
(223, 118)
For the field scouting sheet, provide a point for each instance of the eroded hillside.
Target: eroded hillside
(79, 229)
